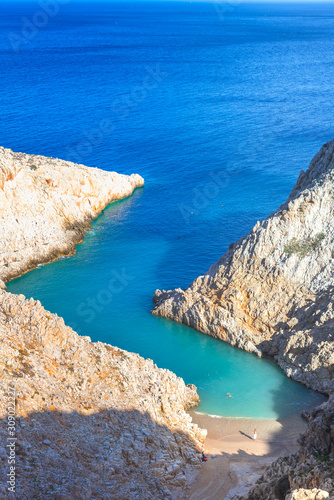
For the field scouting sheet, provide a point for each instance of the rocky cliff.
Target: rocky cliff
(46, 204)
(272, 292)
(93, 421)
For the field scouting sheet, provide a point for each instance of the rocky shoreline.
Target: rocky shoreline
(272, 294)
(93, 421)
(46, 206)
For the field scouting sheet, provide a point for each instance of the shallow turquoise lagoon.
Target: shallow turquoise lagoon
(78, 288)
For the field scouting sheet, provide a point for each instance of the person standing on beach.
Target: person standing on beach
(255, 434)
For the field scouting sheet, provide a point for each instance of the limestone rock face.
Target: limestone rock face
(46, 204)
(93, 421)
(302, 494)
(272, 292)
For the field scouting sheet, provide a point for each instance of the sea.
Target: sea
(218, 106)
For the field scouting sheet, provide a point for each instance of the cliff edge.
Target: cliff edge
(46, 204)
(272, 292)
(92, 421)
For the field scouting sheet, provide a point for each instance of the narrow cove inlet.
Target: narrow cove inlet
(220, 141)
(167, 194)
(105, 291)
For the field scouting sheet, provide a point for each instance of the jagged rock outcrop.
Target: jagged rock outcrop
(272, 292)
(46, 204)
(94, 421)
(302, 494)
(308, 474)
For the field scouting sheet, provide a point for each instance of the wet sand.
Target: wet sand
(239, 459)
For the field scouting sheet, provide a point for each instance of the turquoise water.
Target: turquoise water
(77, 289)
(218, 110)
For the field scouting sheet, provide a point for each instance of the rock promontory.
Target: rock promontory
(92, 421)
(46, 204)
(271, 293)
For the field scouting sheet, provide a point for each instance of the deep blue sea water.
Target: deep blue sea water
(218, 107)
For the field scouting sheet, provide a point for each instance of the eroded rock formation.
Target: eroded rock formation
(94, 421)
(46, 204)
(272, 292)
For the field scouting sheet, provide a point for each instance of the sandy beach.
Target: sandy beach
(235, 459)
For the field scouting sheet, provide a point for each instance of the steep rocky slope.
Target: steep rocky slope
(309, 474)
(272, 292)
(93, 421)
(46, 204)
